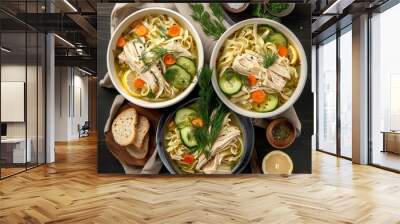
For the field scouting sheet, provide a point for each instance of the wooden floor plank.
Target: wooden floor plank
(70, 191)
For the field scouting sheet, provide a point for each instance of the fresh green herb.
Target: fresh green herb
(211, 27)
(260, 10)
(217, 11)
(269, 59)
(217, 121)
(163, 32)
(229, 73)
(277, 7)
(281, 132)
(151, 95)
(152, 56)
(207, 103)
(245, 79)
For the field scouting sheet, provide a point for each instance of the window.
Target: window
(385, 89)
(346, 92)
(327, 96)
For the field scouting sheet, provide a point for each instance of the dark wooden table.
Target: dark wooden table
(300, 152)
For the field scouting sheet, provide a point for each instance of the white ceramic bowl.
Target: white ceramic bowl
(112, 46)
(292, 40)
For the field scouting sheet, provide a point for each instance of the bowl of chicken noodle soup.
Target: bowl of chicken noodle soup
(153, 57)
(260, 68)
(182, 152)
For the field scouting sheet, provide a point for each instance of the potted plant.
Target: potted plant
(281, 133)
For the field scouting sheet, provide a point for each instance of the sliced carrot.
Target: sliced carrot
(174, 30)
(283, 51)
(136, 23)
(141, 30)
(121, 42)
(198, 122)
(252, 79)
(169, 59)
(188, 158)
(139, 83)
(258, 96)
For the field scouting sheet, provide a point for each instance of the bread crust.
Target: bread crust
(124, 127)
(139, 152)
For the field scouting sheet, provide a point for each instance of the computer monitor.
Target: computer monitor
(3, 129)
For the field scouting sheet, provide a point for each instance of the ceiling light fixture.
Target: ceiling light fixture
(5, 50)
(65, 41)
(337, 7)
(331, 7)
(70, 6)
(84, 71)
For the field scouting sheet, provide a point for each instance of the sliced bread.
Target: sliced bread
(142, 129)
(139, 152)
(124, 127)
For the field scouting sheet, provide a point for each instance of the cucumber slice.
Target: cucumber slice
(184, 116)
(269, 105)
(178, 77)
(187, 64)
(187, 137)
(230, 82)
(278, 39)
(265, 31)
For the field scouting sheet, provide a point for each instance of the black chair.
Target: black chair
(84, 130)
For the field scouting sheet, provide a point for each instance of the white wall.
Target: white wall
(71, 93)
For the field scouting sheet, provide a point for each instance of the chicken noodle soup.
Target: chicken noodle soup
(258, 68)
(156, 58)
(183, 148)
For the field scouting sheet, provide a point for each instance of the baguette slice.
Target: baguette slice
(124, 127)
(142, 129)
(139, 152)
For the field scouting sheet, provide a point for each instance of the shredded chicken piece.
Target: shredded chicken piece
(225, 137)
(173, 46)
(249, 62)
(280, 69)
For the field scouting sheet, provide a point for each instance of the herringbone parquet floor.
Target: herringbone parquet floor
(70, 191)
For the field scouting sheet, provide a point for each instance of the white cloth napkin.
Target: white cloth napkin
(153, 164)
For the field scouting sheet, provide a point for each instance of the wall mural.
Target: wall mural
(204, 88)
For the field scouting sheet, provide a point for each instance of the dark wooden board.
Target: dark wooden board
(120, 152)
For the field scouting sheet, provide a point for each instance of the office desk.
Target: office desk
(391, 141)
(13, 150)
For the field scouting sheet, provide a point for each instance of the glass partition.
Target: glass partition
(13, 94)
(22, 90)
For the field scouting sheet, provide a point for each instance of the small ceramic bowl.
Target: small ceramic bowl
(281, 143)
(112, 46)
(283, 13)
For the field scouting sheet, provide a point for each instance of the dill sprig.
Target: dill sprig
(152, 56)
(211, 27)
(207, 103)
(269, 59)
